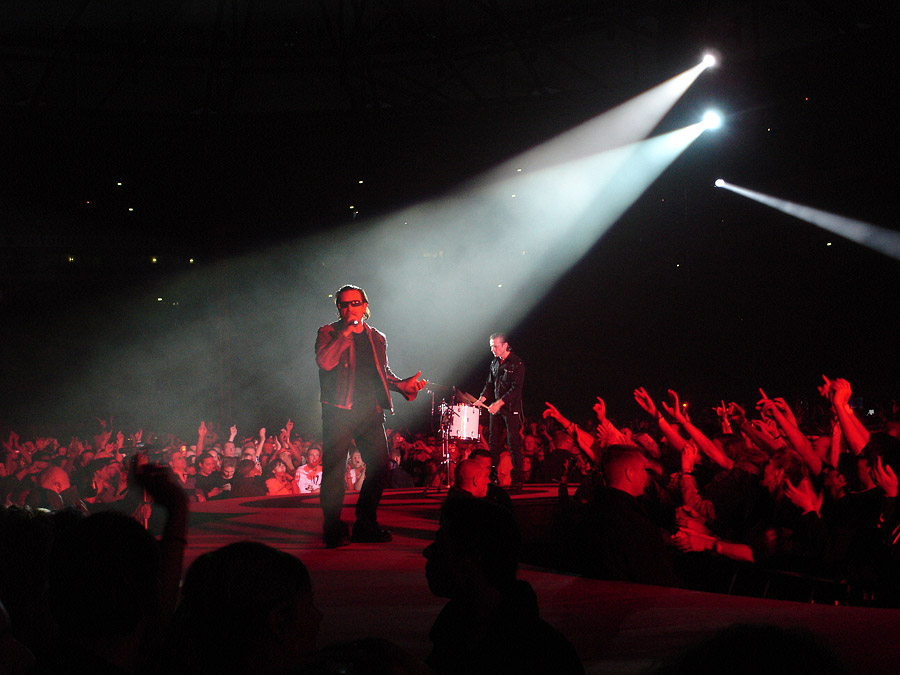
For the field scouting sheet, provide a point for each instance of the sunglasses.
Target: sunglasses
(344, 304)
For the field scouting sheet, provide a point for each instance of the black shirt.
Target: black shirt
(366, 383)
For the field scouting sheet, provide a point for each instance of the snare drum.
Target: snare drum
(464, 422)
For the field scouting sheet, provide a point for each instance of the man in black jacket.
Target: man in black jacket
(504, 387)
(355, 382)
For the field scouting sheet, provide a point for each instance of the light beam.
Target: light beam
(872, 236)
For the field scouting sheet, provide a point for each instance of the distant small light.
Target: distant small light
(191, 261)
(677, 264)
(720, 183)
(709, 60)
(769, 129)
(159, 299)
(499, 285)
(153, 260)
(806, 98)
(828, 244)
(130, 209)
(72, 257)
(663, 199)
(119, 184)
(523, 252)
(518, 170)
(88, 201)
(352, 208)
(513, 196)
(684, 405)
(360, 182)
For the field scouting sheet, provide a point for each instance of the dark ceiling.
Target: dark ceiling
(238, 123)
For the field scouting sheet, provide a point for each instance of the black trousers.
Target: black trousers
(339, 428)
(507, 424)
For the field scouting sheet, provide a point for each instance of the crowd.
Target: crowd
(92, 475)
(760, 498)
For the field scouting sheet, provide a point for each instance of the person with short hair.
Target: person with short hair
(492, 623)
(504, 389)
(309, 475)
(356, 384)
(619, 540)
(209, 481)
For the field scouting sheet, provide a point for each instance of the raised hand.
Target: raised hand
(825, 389)
(722, 413)
(689, 456)
(766, 407)
(202, 430)
(643, 399)
(674, 409)
(721, 410)
(803, 496)
(551, 411)
(785, 410)
(600, 410)
(884, 477)
(841, 392)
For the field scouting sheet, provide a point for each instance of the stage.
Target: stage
(379, 590)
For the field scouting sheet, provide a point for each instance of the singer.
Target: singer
(504, 386)
(355, 382)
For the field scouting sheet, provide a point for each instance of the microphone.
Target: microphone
(354, 322)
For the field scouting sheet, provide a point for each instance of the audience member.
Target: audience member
(491, 623)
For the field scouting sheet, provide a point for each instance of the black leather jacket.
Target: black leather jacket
(505, 380)
(337, 362)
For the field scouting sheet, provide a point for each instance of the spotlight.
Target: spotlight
(719, 183)
(712, 120)
(709, 60)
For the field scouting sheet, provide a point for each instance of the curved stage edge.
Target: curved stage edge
(379, 590)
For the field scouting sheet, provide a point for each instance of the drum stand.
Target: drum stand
(446, 417)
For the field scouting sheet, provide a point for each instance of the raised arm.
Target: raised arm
(201, 437)
(706, 446)
(693, 502)
(753, 431)
(838, 392)
(161, 485)
(779, 410)
(229, 444)
(646, 403)
(612, 434)
(584, 440)
(330, 344)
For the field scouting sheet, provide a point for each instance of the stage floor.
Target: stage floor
(379, 590)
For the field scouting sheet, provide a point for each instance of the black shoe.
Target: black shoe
(370, 536)
(340, 536)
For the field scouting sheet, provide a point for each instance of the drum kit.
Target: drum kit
(458, 421)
